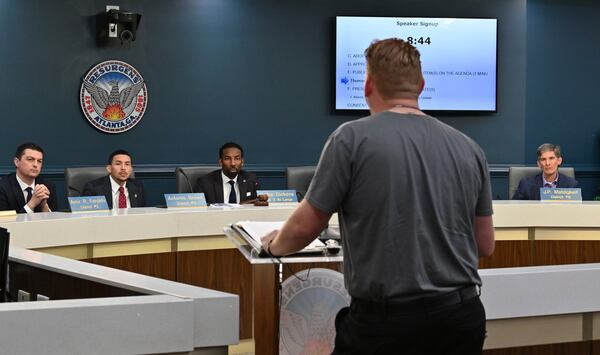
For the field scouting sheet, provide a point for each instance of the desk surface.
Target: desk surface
(518, 220)
(43, 230)
(509, 214)
(168, 317)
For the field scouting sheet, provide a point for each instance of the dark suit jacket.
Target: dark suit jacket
(101, 186)
(529, 187)
(212, 186)
(11, 195)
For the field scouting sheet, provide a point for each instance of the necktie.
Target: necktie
(29, 194)
(122, 198)
(232, 197)
(547, 184)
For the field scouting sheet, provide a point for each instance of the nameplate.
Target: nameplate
(278, 196)
(570, 195)
(88, 204)
(185, 200)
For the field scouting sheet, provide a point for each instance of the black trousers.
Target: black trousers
(455, 329)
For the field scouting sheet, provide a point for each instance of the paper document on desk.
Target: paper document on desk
(257, 230)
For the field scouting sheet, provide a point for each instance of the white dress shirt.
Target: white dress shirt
(23, 187)
(115, 193)
(551, 183)
(227, 188)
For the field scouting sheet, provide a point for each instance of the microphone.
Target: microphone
(187, 179)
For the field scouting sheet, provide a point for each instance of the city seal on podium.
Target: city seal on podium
(309, 303)
(113, 96)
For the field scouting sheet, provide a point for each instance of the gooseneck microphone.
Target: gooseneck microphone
(187, 179)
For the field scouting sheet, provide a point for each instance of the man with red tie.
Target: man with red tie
(24, 191)
(117, 186)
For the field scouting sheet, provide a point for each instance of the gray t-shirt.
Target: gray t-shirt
(407, 189)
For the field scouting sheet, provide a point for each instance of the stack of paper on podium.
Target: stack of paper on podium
(252, 231)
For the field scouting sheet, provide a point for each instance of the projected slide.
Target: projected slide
(458, 59)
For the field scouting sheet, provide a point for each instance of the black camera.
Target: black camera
(116, 26)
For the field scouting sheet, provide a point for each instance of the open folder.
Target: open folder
(252, 231)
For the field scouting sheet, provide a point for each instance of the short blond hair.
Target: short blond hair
(395, 68)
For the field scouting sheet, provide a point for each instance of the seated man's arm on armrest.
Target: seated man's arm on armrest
(484, 235)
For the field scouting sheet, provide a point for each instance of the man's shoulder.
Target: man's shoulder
(44, 181)
(135, 182)
(567, 180)
(211, 175)
(247, 175)
(455, 132)
(98, 181)
(531, 180)
(7, 181)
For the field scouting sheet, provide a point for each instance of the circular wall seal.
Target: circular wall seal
(308, 310)
(113, 96)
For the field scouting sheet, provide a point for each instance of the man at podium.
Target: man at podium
(414, 203)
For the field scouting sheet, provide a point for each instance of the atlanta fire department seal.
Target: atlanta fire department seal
(309, 304)
(113, 96)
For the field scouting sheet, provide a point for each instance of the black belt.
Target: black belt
(418, 305)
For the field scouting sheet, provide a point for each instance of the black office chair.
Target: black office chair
(299, 178)
(516, 173)
(76, 178)
(4, 244)
(185, 178)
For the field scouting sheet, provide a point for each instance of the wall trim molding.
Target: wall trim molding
(273, 170)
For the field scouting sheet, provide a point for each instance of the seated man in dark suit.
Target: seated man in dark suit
(549, 159)
(117, 186)
(24, 191)
(217, 185)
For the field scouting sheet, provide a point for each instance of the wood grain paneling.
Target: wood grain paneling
(161, 265)
(576, 348)
(555, 252)
(223, 270)
(509, 253)
(58, 286)
(589, 251)
(596, 347)
(266, 309)
(517, 253)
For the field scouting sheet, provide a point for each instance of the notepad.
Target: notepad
(252, 231)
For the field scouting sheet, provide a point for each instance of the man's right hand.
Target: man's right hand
(39, 196)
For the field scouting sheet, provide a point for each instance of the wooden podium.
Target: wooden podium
(267, 275)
